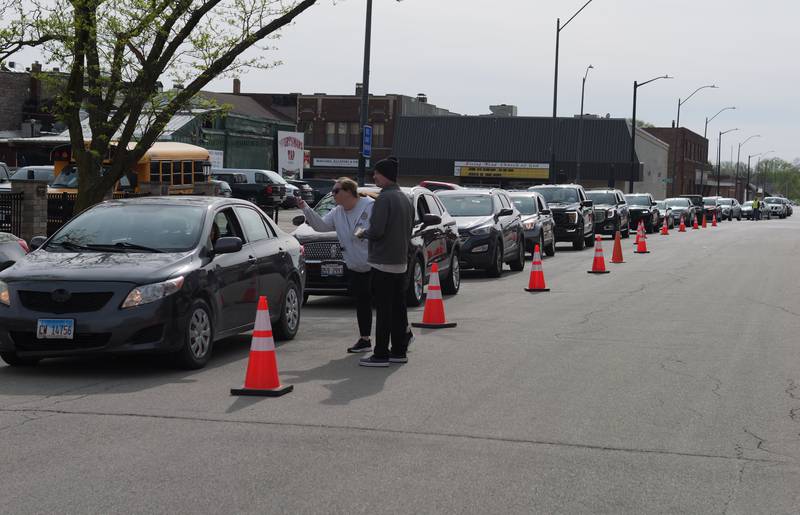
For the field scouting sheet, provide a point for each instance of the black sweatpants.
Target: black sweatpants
(391, 316)
(360, 288)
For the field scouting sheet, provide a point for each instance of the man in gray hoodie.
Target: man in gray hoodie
(389, 234)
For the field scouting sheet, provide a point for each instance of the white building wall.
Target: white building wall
(654, 155)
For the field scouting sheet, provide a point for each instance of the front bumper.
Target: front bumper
(636, 217)
(469, 258)
(154, 327)
(607, 227)
(330, 285)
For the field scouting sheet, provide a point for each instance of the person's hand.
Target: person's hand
(301, 203)
(360, 233)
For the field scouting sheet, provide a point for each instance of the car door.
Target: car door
(428, 236)
(622, 208)
(588, 212)
(234, 275)
(546, 220)
(264, 251)
(510, 226)
(438, 245)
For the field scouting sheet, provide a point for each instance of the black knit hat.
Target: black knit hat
(388, 168)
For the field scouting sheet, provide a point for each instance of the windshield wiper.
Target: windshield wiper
(122, 246)
(69, 245)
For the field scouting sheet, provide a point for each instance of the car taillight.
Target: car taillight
(268, 190)
(24, 246)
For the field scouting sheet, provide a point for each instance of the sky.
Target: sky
(468, 54)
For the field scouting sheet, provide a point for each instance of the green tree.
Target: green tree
(117, 52)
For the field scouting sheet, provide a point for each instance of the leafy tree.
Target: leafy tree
(117, 52)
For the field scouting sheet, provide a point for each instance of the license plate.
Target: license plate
(55, 329)
(332, 270)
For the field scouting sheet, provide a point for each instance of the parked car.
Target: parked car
(610, 212)
(256, 186)
(221, 189)
(572, 212)
(776, 206)
(5, 174)
(292, 194)
(642, 207)
(434, 240)
(711, 208)
(537, 221)
(437, 185)
(681, 207)
(40, 173)
(304, 190)
(747, 210)
(665, 212)
(730, 208)
(320, 188)
(489, 228)
(12, 249)
(151, 274)
(697, 203)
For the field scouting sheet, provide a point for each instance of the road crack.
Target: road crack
(734, 489)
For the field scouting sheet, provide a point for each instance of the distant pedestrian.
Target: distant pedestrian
(756, 208)
(350, 214)
(389, 234)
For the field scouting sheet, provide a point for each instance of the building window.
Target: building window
(377, 135)
(308, 132)
(330, 134)
(355, 134)
(342, 134)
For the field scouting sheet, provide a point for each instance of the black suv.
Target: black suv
(434, 240)
(642, 207)
(610, 212)
(255, 186)
(489, 228)
(572, 211)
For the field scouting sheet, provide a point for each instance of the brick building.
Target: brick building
(690, 151)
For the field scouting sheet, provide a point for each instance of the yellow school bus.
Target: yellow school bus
(176, 166)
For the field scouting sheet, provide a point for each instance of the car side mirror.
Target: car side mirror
(430, 219)
(505, 212)
(37, 241)
(587, 203)
(653, 204)
(228, 245)
(545, 211)
(299, 220)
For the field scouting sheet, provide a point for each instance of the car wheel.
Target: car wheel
(14, 360)
(416, 287)
(589, 240)
(287, 326)
(578, 243)
(627, 232)
(519, 264)
(497, 267)
(550, 250)
(198, 337)
(452, 283)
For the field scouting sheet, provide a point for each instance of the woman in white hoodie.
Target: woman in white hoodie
(350, 214)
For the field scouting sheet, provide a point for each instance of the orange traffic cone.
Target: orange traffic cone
(694, 222)
(638, 233)
(705, 226)
(714, 220)
(599, 262)
(641, 247)
(665, 228)
(682, 227)
(617, 256)
(433, 316)
(262, 368)
(536, 282)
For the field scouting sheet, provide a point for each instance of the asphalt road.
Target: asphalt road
(671, 385)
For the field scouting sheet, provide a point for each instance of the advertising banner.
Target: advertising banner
(502, 170)
(291, 154)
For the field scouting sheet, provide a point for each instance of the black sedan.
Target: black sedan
(154, 274)
(434, 240)
(642, 208)
(537, 221)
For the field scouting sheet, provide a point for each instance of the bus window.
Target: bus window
(199, 175)
(155, 171)
(188, 178)
(177, 178)
(166, 172)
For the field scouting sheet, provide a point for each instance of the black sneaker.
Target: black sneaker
(372, 361)
(397, 359)
(361, 345)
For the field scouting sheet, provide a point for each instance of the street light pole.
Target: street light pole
(705, 136)
(580, 127)
(719, 154)
(559, 28)
(675, 146)
(633, 173)
(739, 155)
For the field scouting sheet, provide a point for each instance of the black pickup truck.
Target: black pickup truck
(253, 185)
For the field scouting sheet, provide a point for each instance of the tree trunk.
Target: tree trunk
(91, 186)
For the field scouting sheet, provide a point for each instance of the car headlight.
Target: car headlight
(529, 225)
(152, 292)
(610, 213)
(5, 295)
(482, 230)
(572, 217)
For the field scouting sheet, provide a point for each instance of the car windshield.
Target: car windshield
(39, 174)
(660, 204)
(468, 205)
(558, 195)
(677, 202)
(524, 204)
(638, 200)
(772, 200)
(725, 202)
(119, 227)
(602, 197)
(710, 201)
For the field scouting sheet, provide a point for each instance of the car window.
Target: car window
(262, 179)
(468, 205)
(422, 208)
(525, 204)
(225, 225)
(497, 204)
(442, 209)
(253, 224)
(432, 205)
(541, 204)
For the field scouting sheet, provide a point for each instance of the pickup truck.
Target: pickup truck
(253, 185)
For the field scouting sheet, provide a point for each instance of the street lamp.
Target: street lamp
(705, 136)
(559, 28)
(719, 154)
(678, 127)
(636, 86)
(580, 126)
(362, 162)
(739, 156)
(747, 184)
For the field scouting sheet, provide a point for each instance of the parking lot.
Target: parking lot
(671, 384)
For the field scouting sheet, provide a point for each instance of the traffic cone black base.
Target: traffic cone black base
(534, 290)
(598, 272)
(275, 392)
(645, 252)
(433, 326)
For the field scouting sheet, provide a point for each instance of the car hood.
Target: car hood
(605, 206)
(306, 234)
(470, 222)
(559, 207)
(138, 268)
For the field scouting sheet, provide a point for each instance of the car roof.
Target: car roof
(179, 200)
(571, 185)
(471, 191)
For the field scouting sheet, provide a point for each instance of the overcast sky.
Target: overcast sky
(468, 54)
